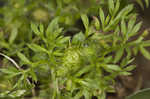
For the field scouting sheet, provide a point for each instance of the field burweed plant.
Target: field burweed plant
(15, 25)
(54, 66)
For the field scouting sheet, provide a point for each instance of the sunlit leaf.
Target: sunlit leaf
(17, 93)
(85, 21)
(123, 27)
(118, 55)
(102, 17)
(130, 68)
(34, 28)
(135, 29)
(117, 6)
(33, 75)
(13, 35)
(111, 6)
(23, 58)
(37, 48)
(145, 53)
(41, 27)
(64, 39)
(107, 20)
(113, 67)
(53, 25)
(96, 23)
(80, 37)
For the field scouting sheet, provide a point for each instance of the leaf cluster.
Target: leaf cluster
(71, 67)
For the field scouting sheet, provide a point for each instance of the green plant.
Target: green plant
(142, 94)
(79, 66)
(15, 25)
(141, 3)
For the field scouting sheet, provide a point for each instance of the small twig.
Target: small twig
(17, 66)
(15, 63)
(10, 59)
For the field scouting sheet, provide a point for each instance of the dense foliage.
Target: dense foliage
(66, 58)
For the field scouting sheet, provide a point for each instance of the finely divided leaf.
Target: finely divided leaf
(37, 48)
(64, 39)
(118, 55)
(102, 17)
(53, 26)
(130, 68)
(116, 7)
(34, 28)
(13, 35)
(135, 29)
(123, 27)
(113, 67)
(80, 37)
(145, 53)
(85, 21)
(41, 27)
(96, 23)
(111, 6)
(23, 58)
